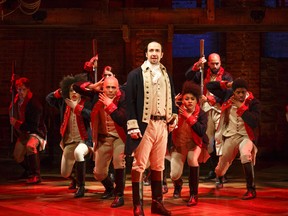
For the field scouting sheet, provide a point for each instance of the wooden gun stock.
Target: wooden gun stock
(202, 48)
(202, 66)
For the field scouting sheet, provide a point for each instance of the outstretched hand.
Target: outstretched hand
(13, 121)
(94, 58)
(201, 61)
(236, 102)
(183, 112)
(229, 84)
(136, 135)
(105, 99)
(178, 99)
(172, 123)
(97, 86)
(203, 99)
(70, 103)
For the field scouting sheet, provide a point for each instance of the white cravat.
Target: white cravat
(156, 72)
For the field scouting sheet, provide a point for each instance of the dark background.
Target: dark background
(55, 40)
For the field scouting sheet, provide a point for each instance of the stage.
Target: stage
(52, 197)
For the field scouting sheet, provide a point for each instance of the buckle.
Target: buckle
(157, 118)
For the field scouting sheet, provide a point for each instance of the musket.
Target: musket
(12, 90)
(202, 65)
(94, 44)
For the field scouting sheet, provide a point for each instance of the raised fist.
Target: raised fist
(94, 58)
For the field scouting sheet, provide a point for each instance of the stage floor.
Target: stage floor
(51, 197)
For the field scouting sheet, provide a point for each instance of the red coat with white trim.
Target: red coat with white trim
(82, 115)
(195, 76)
(116, 110)
(198, 124)
(249, 111)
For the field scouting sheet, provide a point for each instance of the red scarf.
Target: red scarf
(208, 77)
(20, 110)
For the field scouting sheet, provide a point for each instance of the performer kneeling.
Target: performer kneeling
(75, 130)
(188, 141)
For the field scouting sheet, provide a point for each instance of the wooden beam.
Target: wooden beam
(233, 19)
(210, 10)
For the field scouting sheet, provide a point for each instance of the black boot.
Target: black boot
(147, 177)
(25, 166)
(111, 172)
(211, 175)
(219, 182)
(250, 184)
(193, 186)
(137, 193)
(73, 183)
(164, 185)
(109, 188)
(157, 206)
(212, 162)
(119, 188)
(177, 188)
(34, 165)
(80, 176)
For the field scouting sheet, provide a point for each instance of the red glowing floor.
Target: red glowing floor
(52, 197)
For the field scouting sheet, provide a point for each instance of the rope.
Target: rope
(34, 6)
(26, 8)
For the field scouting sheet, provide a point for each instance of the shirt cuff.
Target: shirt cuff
(134, 131)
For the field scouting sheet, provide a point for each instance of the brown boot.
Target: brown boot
(193, 186)
(157, 206)
(34, 165)
(109, 188)
(119, 188)
(137, 193)
(177, 188)
(80, 175)
(164, 185)
(249, 174)
(73, 183)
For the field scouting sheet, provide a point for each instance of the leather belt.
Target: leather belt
(105, 135)
(156, 118)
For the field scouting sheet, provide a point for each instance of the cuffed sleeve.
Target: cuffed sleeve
(110, 108)
(211, 100)
(88, 66)
(223, 84)
(57, 93)
(132, 124)
(195, 67)
(17, 124)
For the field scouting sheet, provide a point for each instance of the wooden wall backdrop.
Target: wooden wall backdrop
(48, 49)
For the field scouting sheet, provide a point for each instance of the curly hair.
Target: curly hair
(191, 88)
(67, 81)
(23, 81)
(239, 83)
